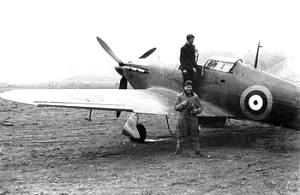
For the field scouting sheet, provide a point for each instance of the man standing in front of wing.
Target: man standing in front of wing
(188, 58)
(188, 105)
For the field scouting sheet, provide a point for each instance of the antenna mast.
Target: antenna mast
(257, 53)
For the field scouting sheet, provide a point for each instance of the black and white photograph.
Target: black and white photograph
(153, 97)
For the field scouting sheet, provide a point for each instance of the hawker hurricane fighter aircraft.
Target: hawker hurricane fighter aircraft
(227, 87)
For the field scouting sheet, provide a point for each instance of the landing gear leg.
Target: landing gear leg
(90, 116)
(167, 120)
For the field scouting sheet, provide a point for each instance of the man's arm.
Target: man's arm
(182, 56)
(179, 105)
(197, 106)
(195, 58)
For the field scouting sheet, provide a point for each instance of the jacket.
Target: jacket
(187, 56)
(186, 110)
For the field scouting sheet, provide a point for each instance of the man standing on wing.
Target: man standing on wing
(188, 58)
(188, 105)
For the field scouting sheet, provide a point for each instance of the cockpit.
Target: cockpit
(222, 64)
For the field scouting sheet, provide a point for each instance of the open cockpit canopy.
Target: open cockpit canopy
(220, 63)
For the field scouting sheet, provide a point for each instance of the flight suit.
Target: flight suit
(187, 61)
(188, 106)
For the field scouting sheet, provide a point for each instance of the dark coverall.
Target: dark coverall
(187, 61)
(187, 121)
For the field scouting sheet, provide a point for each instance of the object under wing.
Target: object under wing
(148, 101)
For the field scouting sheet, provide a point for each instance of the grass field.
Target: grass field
(57, 151)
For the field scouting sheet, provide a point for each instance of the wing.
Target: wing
(148, 101)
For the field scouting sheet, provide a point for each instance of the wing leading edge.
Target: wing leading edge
(148, 101)
(144, 101)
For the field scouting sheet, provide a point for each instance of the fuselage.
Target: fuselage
(243, 92)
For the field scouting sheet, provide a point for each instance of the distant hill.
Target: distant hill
(90, 78)
(74, 82)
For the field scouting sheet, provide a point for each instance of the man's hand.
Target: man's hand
(185, 103)
(195, 111)
(188, 106)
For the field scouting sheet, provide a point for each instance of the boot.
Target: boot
(198, 153)
(178, 148)
(196, 147)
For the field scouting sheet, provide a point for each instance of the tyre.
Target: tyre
(143, 133)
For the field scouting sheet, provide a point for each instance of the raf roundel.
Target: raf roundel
(256, 102)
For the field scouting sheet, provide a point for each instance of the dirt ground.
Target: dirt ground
(57, 151)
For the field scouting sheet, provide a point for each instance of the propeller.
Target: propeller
(123, 82)
(120, 69)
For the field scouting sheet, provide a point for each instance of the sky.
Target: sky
(42, 41)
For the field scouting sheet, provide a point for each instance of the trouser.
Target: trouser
(188, 125)
(187, 74)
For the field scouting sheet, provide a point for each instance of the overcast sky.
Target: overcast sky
(42, 41)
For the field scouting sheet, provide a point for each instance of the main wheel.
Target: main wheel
(143, 133)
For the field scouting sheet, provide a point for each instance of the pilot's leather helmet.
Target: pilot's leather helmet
(188, 82)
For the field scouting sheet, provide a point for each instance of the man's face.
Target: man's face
(191, 40)
(188, 89)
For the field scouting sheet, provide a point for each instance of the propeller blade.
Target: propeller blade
(123, 83)
(118, 113)
(109, 51)
(148, 53)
